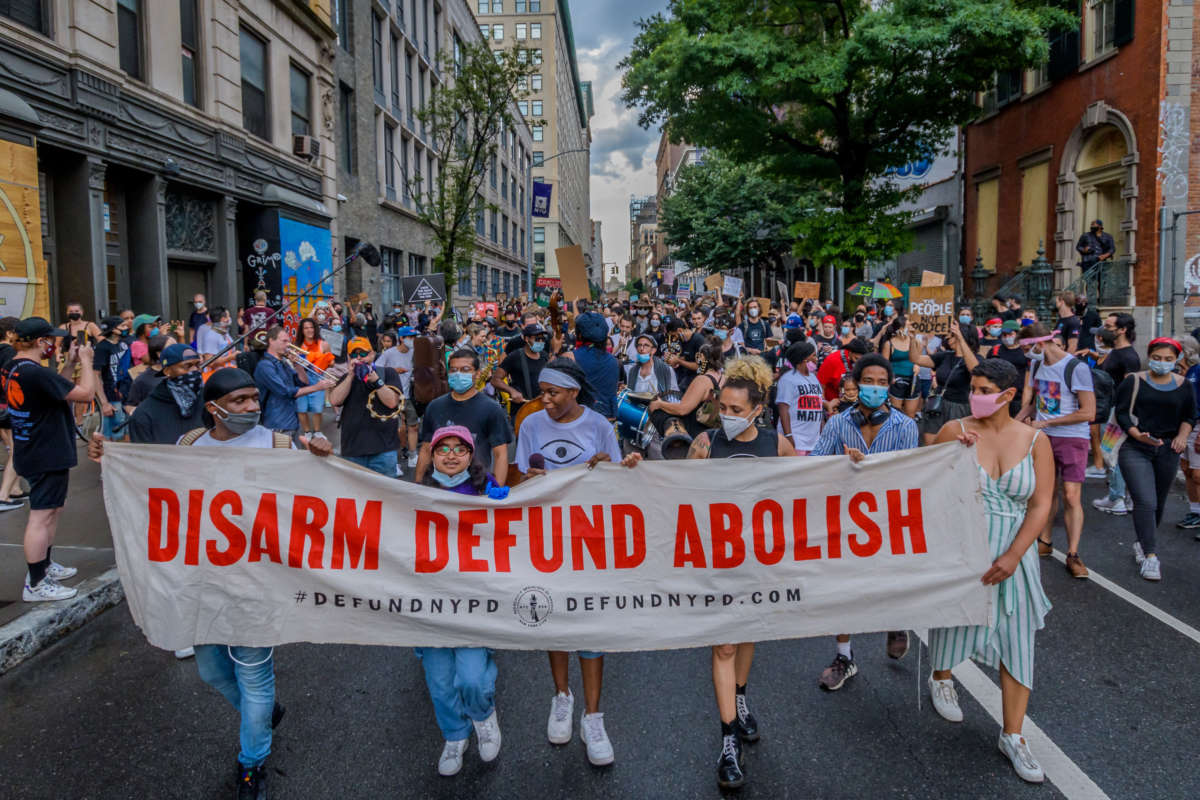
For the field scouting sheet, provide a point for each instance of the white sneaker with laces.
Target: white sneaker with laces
(488, 733)
(1138, 556)
(60, 573)
(562, 713)
(1017, 749)
(412, 459)
(186, 652)
(1110, 506)
(1095, 472)
(452, 757)
(46, 591)
(1151, 569)
(599, 748)
(945, 699)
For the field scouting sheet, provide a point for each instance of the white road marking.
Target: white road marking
(1060, 770)
(1137, 602)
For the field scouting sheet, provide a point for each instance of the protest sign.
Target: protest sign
(265, 547)
(487, 309)
(623, 295)
(683, 292)
(807, 291)
(668, 277)
(573, 271)
(419, 288)
(731, 286)
(929, 278)
(781, 291)
(930, 309)
(714, 282)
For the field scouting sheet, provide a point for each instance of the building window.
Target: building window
(539, 261)
(407, 190)
(30, 13)
(537, 108)
(393, 275)
(389, 161)
(492, 173)
(341, 21)
(1101, 21)
(418, 183)
(481, 272)
(480, 221)
(485, 31)
(416, 264)
(482, 6)
(523, 107)
(521, 31)
(408, 88)
(493, 230)
(506, 282)
(129, 36)
(537, 56)
(504, 182)
(522, 242)
(535, 82)
(458, 56)
(535, 6)
(539, 157)
(497, 6)
(425, 26)
(514, 237)
(538, 134)
(253, 51)
(421, 92)
(346, 128)
(301, 103)
(522, 83)
(987, 195)
(497, 33)
(394, 75)
(189, 48)
(495, 280)
(464, 280)
(504, 230)
(539, 234)
(437, 24)
(377, 54)
(535, 30)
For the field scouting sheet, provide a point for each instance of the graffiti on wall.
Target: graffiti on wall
(1191, 281)
(1173, 151)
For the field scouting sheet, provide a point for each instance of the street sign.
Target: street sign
(419, 288)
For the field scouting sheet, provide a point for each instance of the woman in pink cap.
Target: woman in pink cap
(461, 680)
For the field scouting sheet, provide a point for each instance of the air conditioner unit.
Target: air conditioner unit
(306, 147)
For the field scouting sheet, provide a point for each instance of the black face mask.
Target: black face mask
(74, 316)
(185, 390)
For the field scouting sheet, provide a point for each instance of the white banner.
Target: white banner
(265, 547)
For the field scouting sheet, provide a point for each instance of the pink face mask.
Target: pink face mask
(984, 405)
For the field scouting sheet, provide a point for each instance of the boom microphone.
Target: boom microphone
(368, 253)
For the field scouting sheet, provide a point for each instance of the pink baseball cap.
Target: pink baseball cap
(138, 351)
(453, 430)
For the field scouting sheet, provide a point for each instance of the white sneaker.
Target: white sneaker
(186, 652)
(47, 590)
(60, 573)
(562, 713)
(399, 472)
(945, 699)
(1109, 506)
(488, 733)
(1095, 472)
(1017, 749)
(452, 757)
(1151, 569)
(599, 748)
(412, 459)
(1138, 555)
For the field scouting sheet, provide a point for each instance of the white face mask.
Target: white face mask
(735, 426)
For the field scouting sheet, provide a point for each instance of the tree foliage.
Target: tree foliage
(724, 215)
(465, 119)
(830, 93)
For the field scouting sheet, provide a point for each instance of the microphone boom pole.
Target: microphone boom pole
(364, 250)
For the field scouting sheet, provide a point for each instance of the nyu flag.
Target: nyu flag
(541, 199)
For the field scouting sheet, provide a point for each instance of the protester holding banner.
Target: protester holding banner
(465, 405)
(1016, 467)
(461, 680)
(368, 431)
(867, 428)
(565, 433)
(742, 400)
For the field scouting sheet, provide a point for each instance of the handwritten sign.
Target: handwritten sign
(807, 291)
(930, 309)
(714, 282)
(929, 278)
(731, 286)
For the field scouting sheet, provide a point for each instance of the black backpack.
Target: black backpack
(1102, 386)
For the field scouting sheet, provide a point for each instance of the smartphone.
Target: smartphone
(80, 338)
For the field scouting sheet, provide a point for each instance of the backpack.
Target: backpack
(1102, 386)
(280, 440)
(708, 413)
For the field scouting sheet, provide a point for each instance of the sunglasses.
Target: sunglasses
(360, 354)
(458, 450)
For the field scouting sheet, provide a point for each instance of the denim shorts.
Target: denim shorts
(113, 427)
(311, 403)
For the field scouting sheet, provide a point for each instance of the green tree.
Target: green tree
(723, 214)
(830, 93)
(466, 119)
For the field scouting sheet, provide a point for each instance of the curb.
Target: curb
(48, 622)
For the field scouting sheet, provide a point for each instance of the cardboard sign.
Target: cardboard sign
(623, 295)
(764, 305)
(731, 287)
(932, 278)
(486, 309)
(501, 297)
(419, 288)
(668, 277)
(807, 291)
(714, 282)
(573, 271)
(930, 309)
(358, 299)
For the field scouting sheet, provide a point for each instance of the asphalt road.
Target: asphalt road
(104, 715)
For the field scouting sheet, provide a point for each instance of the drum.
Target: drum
(633, 418)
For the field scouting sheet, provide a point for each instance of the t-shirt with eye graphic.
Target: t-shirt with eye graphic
(565, 444)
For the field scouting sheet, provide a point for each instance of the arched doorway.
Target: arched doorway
(1101, 181)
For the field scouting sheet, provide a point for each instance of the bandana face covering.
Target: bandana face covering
(185, 391)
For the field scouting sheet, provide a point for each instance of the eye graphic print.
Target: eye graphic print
(561, 451)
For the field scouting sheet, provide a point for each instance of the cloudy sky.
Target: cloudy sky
(622, 152)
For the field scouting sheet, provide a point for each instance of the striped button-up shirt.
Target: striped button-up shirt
(898, 432)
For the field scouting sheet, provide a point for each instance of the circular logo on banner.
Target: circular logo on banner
(532, 606)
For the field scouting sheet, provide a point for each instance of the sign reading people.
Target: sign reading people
(930, 309)
(283, 548)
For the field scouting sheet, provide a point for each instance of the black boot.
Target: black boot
(251, 783)
(729, 765)
(277, 715)
(744, 724)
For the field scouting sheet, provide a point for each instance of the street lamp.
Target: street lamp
(529, 208)
(1041, 280)
(980, 275)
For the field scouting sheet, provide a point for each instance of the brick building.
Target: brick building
(1101, 131)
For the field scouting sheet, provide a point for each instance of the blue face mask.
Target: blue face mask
(845, 330)
(888, 311)
(450, 481)
(154, 332)
(537, 347)
(964, 320)
(872, 396)
(335, 328)
(643, 358)
(1162, 367)
(720, 334)
(460, 382)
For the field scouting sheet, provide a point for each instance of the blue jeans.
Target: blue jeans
(246, 677)
(462, 685)
(383, 463)
(1116, 482)
(113, 427)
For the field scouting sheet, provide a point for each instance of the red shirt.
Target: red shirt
(830, 374)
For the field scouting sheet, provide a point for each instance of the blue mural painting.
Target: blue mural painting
(307, 255)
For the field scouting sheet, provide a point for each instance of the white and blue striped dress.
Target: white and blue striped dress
(1021, 605)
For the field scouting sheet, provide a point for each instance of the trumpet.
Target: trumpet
(378, 410)
(299, 356)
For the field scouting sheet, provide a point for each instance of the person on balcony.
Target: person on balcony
(1095, 246)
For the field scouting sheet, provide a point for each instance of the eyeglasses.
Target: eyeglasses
(463, 370)
(458, 450)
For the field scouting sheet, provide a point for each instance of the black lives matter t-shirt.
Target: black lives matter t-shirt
(363, 434)
(42, 422)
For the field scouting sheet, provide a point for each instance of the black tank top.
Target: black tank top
(765, 445)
